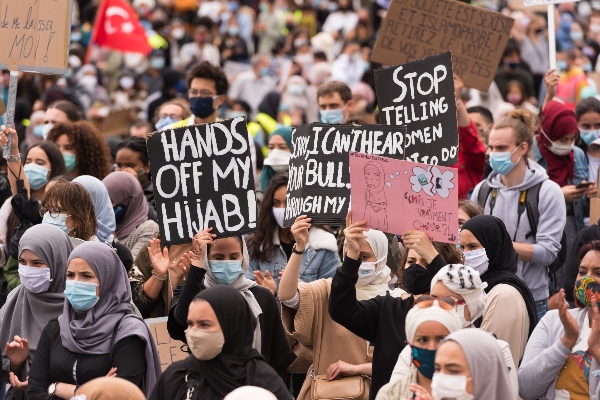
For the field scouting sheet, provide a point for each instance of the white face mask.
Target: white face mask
(478, 260)
(460, 310)
(279, 214)
(367, 272)
(279, 160)
(35, 280)
(444, 386)
(558, 148)
(46, 130)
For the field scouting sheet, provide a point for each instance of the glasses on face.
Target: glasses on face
(172, 116)
(53, 211)
(201, 93)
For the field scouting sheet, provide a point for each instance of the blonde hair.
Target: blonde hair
(524, 125)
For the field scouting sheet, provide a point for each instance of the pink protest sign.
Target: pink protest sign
(396, 196)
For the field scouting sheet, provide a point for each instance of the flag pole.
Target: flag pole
(101, 11)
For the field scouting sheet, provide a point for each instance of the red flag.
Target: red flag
(118, 27)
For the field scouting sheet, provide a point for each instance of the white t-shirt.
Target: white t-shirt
(594, 164)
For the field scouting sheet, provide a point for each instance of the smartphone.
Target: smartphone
(584, 185)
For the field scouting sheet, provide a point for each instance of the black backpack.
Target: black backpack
(528, 200)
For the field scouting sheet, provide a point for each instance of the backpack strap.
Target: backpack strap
(484, 193)
(532, 206)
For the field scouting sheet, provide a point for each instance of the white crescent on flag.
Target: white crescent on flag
(126, 27)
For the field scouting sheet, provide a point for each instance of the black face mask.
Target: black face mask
(417, 279)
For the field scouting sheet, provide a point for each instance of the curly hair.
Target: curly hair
(77, 202)
(206, 70)
(93, 156)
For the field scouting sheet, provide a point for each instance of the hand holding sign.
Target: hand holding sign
(300, 231)
(200, 243)
(355, 236)
(419, 242)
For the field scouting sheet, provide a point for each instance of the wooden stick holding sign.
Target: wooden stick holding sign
(10, 111)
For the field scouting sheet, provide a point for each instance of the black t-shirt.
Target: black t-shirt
(287, 248)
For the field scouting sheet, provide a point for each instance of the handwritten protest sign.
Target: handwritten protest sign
(396, 196)
(529, 3)
(169, 350)
(415, 29)
(319, 184)
(420, 94)
(35, 35)
(203, 177)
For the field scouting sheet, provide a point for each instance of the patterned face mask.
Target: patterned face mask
(585, 289)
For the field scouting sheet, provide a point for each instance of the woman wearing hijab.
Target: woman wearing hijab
(280, 151)
(43, 253)
(112, 388)
(220, 334)
(337, 351)
(461, 285)
(375, 200)
(488, 249)
(134, 229)
(469, 365)
(223, 262)
(426, 324)
(105, 216)
(565, 163)
(97, 334)
(562, 356)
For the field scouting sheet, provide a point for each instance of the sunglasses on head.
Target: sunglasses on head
(446, 303)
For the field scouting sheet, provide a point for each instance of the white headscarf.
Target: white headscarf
(242, 285)
(465, 281)
(417, 315)
(250, 393)
(379, 285)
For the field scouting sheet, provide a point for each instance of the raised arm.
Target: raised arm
(15, 166)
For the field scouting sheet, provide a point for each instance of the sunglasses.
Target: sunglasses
(446, 303)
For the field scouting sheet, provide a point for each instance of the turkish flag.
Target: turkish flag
(118, 27)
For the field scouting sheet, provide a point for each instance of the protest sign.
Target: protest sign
(415, 29)
(529, 3)
(169, 350)
(319, 184)
(202, 176)
(35, 35)
(396, 196)
(420, 94)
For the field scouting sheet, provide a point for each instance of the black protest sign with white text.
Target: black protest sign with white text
(319, 184)
(203, 178)
(420, 95)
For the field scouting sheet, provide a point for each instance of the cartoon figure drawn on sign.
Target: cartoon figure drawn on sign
(375, 200)
(432, 181)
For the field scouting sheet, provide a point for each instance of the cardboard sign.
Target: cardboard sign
(415, 29)
(319, 184)
(169, 350)
(420, 94)
(396, 196)
(529, 3)
(2, 107)
(35, 35)
(203, 178)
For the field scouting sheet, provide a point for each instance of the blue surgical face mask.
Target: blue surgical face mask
(264, 71)
(164, 122)
(236, 114)
(157, 62)
(226, 271)
(561, 65)
(501, 163)
(424, 360)
(35, 280)
(38, 131)
(589, 136)
(332, 116)
(81, 295)
(233, 31)
(576, 35)
(202, 107)
(76, 36)
(59, 221)
(36, 175)
(70, 161)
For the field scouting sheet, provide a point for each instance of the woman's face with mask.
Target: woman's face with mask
(429, 335)
(29, 259)
(440, 290)
(450, 359)
(277, 142)
(226, 249)
(202, 316)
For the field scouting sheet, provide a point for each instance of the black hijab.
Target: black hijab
(238, 364)
(503, 259)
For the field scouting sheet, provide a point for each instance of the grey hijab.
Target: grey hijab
(490, 374)
(91, 331)
(242, 285)
(26, 314)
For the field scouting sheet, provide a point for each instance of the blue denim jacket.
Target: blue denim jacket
(581, 173)
(320, 259)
